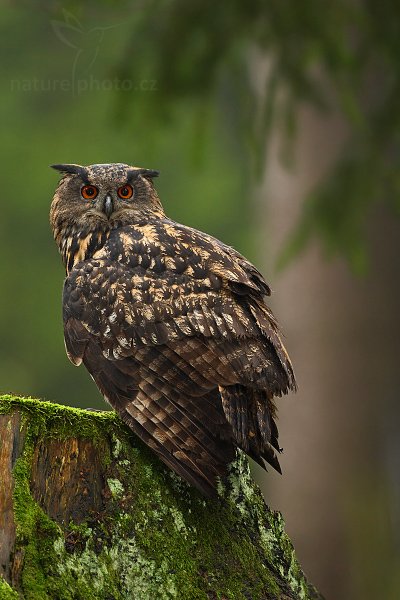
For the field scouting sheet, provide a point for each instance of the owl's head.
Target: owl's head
(93, 200)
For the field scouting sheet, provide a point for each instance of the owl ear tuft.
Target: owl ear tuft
(72, 169)
(147, 173)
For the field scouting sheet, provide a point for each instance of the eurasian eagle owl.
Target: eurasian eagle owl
(170, 322)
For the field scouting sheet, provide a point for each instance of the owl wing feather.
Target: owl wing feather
(173, 328)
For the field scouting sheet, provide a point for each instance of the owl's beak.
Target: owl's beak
(108, 206)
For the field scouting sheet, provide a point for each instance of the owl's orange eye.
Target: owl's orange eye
(125, 191)
(89, 192)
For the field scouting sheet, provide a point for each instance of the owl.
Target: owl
(171, 324)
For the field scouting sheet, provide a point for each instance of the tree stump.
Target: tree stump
(87, 512)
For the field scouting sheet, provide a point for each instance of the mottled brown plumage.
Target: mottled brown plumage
(170, 322)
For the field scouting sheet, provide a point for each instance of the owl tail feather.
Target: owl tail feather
(251, 413)
(191, 447)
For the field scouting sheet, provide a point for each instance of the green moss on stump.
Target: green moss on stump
(6, 592)
(156, 537)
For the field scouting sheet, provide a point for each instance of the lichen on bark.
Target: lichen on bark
(98, 517)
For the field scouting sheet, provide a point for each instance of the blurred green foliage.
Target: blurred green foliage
(166, 84)
(342, 55)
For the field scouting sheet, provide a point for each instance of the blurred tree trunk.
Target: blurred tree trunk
(343, 335)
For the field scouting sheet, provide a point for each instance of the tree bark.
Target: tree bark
(87, 512)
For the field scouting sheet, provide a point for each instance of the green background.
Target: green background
(177, 87)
